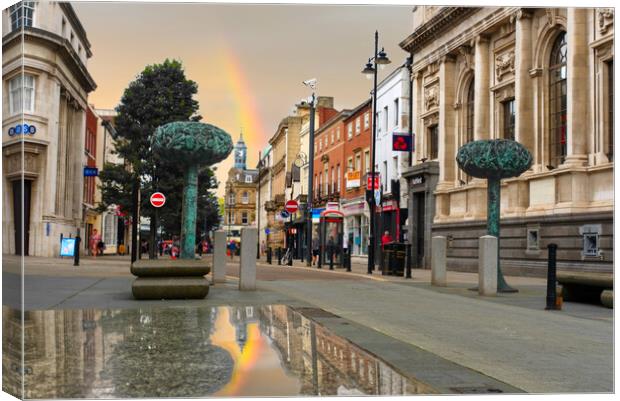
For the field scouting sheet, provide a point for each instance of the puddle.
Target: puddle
(188, 352)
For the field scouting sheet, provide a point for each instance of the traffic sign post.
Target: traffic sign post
(158, 199)
(291, 206)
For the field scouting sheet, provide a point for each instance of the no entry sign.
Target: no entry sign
(158, 199)
(291, 206)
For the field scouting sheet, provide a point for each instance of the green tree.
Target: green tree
(160, 94)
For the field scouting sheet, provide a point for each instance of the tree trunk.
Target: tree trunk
(188, 227)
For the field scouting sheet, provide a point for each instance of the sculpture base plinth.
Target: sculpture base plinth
(170, 279)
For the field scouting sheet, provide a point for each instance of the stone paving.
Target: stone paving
(509, 337)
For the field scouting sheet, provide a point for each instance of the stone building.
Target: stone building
(240, 195)
(263, 194)
(540, 76)
(45, 89)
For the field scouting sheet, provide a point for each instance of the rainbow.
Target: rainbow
(247, 114)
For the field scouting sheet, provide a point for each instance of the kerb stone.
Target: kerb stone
(247, 270)
(487, 265)
(219, 257)
(438, 261)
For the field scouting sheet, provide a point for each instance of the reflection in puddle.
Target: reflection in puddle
(187, 352)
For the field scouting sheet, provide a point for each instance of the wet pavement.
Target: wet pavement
(270, 350)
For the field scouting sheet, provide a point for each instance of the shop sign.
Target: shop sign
(353, 179)
(417, 179)
(91, 171)
(402, 142)
(369, 181)
(20, 129)
(67, 247)
(332, 206)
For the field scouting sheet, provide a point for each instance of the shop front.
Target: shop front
(356, 226)
(421, 180)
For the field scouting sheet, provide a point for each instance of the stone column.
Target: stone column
(578, 78)
(447, 134)
(487, 265)
(247, 268)
(418, 124)
(482, 64)
(524, 94)
(438, 262)
(219, 257)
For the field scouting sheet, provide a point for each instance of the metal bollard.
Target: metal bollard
(279, 255)
(331, 258)
(290, 257)
(76, 253)
(551, 278)
(408, 266)
(269, 255)
(347, 255)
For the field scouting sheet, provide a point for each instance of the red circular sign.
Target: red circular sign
(158, 199)
(291, 206)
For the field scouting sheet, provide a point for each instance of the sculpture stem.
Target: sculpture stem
(188, 227)
(493, 214)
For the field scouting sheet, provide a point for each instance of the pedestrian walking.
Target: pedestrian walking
(94, 242)
(386, 239)
(232, 247)
(315, 250)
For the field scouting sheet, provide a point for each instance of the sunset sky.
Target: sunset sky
(248, 60)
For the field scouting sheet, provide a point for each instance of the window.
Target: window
(367, 160)
(350, 131)
(338, 134)
(338, 175)
(350, 164)
(509, 119)
(469, 130)
(244, 198)
(21, 14)
(21, 94)
(366, 120)
(385, 175)
(358, 162)
(610, 110)
(331, 137)
(378, 118)
(333, 188)
(358, 126)
(244, 218)
(557, 101)
(396, 112)
(248, 179)
(231, 198)
(63, 30)
(433, 142)
(385, 118)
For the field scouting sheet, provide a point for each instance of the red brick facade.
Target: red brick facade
(356, 152)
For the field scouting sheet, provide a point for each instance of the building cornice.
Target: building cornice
(438, 24)
(77, 25)
(58, 44)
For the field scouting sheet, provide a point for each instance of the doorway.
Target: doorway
(419, 208)
(21, 202)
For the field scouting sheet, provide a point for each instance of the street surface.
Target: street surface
(567, 351)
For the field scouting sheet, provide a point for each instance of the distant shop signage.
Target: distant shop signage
(402, 142)
(332, 206)
(25, 129)
(353, 179)
(417, 179)
(91, 171)
(369, 181)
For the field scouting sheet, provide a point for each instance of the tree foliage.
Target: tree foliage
(160, 94)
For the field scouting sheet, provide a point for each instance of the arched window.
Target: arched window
(469, 127)
(557, 101)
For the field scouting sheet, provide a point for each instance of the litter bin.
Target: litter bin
(394, 258)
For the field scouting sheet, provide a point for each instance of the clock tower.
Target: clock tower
(240, 152)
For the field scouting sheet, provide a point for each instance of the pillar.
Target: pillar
(578, 78)
(524, 94)
(247, 268)
(487, 265)
(219, 257)
(482, 129)
(438, 262)
(447, 134)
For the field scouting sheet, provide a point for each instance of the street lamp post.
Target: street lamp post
(379, 58)
(312, 84)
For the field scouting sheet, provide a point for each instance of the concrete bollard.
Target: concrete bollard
(219, 257)
(438, 261)
(487, 265)
(247, 269)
